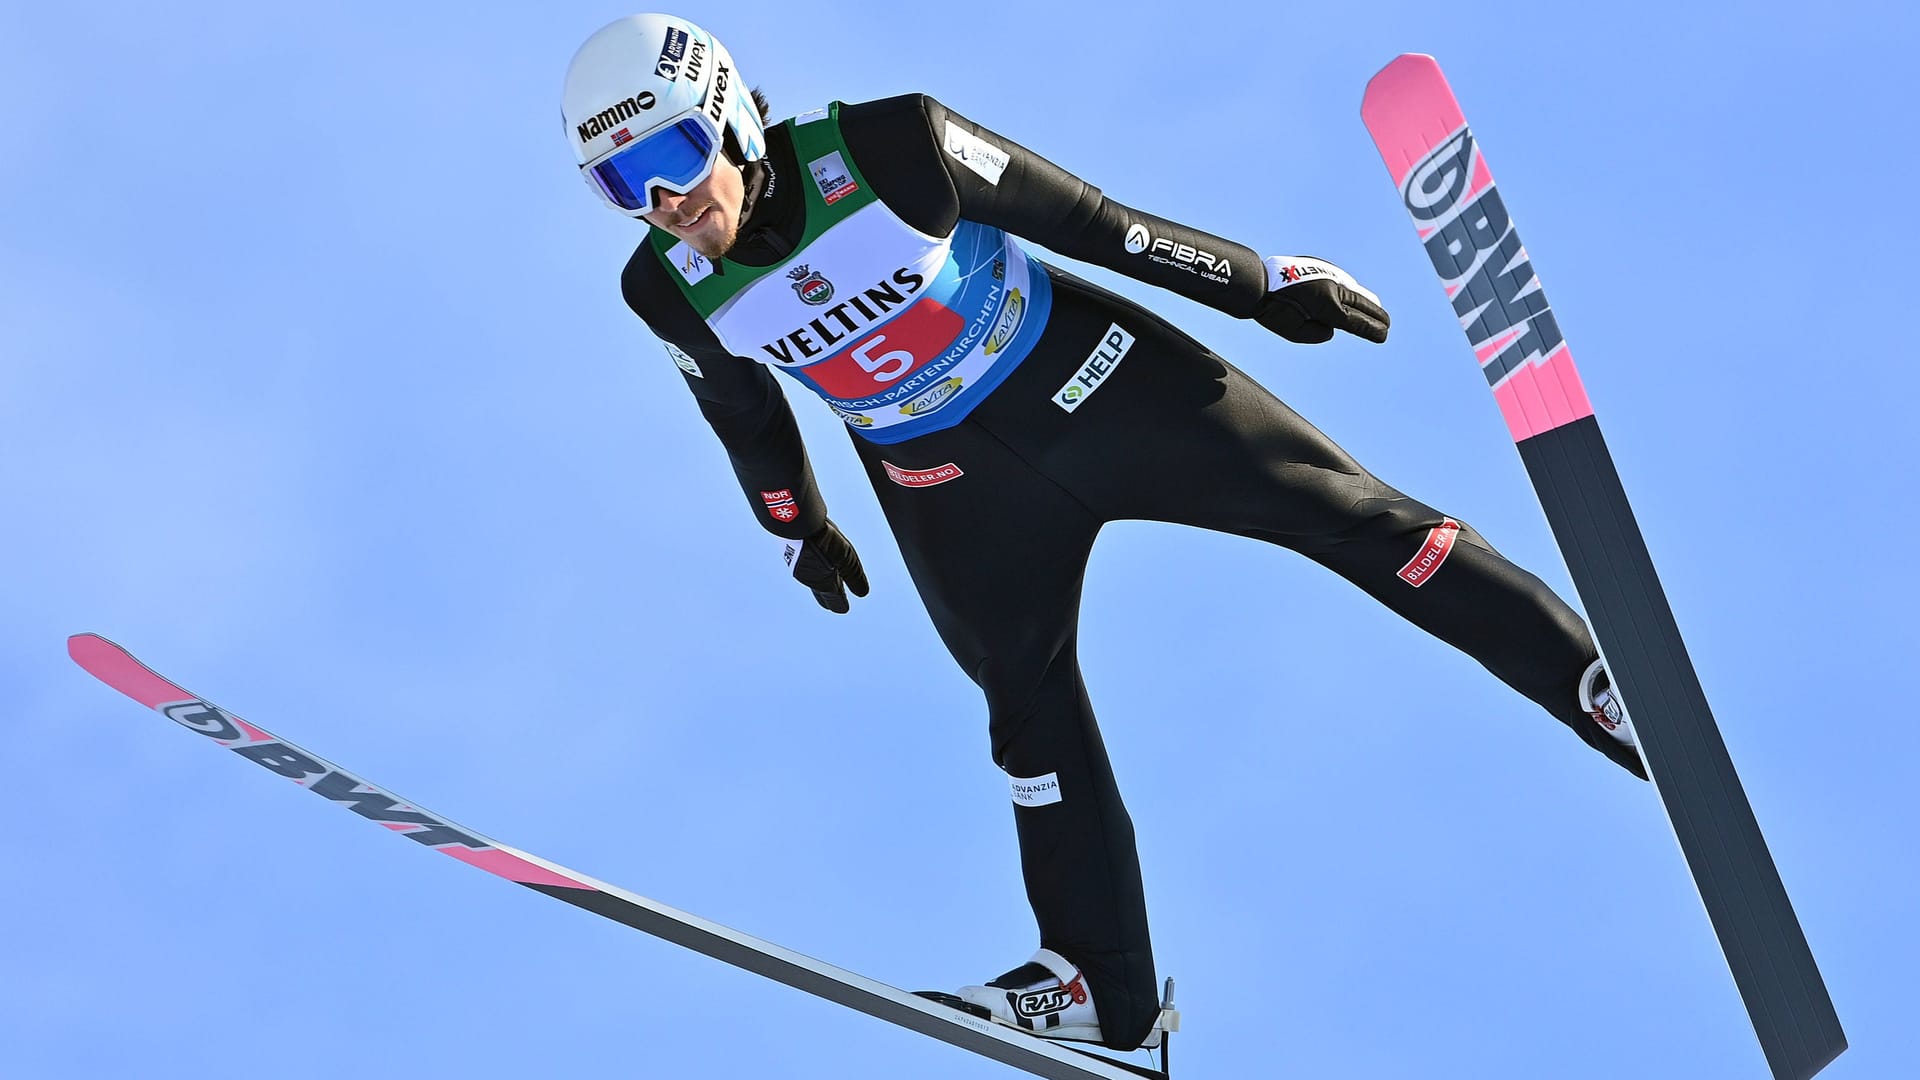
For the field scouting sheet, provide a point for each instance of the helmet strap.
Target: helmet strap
(731, 146)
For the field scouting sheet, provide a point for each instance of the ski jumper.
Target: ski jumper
(1005, 410)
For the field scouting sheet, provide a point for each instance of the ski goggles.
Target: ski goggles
(676, 157)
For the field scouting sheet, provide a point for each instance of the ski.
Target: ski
(116, 667)
(1463, 224)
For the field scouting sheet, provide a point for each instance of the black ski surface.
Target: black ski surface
(1468, 235)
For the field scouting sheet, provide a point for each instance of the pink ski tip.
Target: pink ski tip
(90, 651)
(1409, 109)
(1417, 68)
(116, 667)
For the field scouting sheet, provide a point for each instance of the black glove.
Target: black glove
(826, 563)
(1308, 299)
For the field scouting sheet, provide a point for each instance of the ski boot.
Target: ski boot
(1601, 703)
(1047, 996)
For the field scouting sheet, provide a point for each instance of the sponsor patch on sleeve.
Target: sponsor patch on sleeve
(684, 362)
(780, 504)
(1039, 791)
(1433, 553)
(985, 159)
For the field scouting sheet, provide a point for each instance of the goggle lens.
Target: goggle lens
(677, 157)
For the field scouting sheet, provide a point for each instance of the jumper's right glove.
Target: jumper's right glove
(1308, 299)
(826, 563)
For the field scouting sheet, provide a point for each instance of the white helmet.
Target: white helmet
(651, 101)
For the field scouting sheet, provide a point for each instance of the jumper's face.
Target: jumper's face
(708, 217)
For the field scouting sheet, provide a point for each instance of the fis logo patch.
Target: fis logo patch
(692, 266)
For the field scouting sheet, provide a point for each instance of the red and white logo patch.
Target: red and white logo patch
(919, 478)
(1438, 546)
(780, 504)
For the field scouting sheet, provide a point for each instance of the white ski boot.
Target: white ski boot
(1046, 996)
(1601, 703)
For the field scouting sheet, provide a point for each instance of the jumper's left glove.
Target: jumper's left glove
(1308, 299)
(826, 563)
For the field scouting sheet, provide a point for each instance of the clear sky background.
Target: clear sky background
(317, 392)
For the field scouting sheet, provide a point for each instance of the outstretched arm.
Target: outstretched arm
(935, 167)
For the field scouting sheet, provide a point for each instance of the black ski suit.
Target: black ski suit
(995, 515)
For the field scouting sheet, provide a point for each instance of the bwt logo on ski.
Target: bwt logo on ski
(615, 115)
(1478, 253)
(209, 720)
(857, 311)
(1436, 184)
(317, 776)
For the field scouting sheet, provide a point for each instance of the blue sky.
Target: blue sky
(318, 394)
